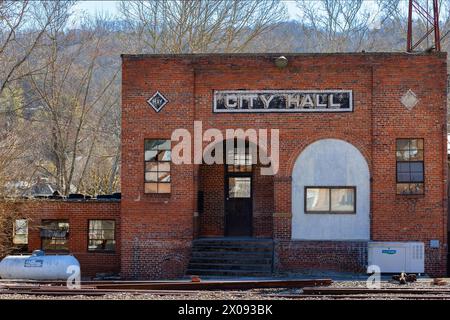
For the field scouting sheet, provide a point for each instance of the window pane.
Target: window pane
(416, 176)
(102, 245)
(317, 199)
(403, 177)
(151, 188)
(151, 176)
(239, 187)
(164, 188)
(416, 166)
(403, 167)
(416, 188)
(150, 155)
(416, 144)
(402, 155)
(20, 239)
(402, 149)
(98, 226)
(55, 244)
(164, 166)
(403, 188)
(108, 224)
(163, 155)
(164, 177)
(151, 166)
(416, 155)
(343, 200)
(56, 225)
(107, 234)
(165, 145)
(152, 144)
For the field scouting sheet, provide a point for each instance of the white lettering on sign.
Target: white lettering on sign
(283, 101)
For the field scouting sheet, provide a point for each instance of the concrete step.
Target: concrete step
(222, 272)
(230, 248)
(231, 257)
(256, 242)
(232, 254)
(231, 266)
(231, 260)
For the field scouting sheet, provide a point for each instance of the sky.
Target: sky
(110, 7)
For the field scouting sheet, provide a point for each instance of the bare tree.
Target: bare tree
(341, 25)
(75, 101)
(22, 25)
(199, 26)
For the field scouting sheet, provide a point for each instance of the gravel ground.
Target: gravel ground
(255, 294)
(195, 295)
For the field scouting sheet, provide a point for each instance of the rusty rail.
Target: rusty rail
(347, 291)
(217, 285)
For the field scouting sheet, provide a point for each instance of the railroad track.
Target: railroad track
(92, 288)
(311, 289)
(334, 293)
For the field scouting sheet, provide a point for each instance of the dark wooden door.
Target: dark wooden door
(238, 205)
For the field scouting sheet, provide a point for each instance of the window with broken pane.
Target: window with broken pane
(410, 166)
(157, 157)
(20, 232)
(102, 235)
(55, 235)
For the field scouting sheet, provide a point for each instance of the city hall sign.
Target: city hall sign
(283, 101)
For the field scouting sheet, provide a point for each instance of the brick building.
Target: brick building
(362, 157)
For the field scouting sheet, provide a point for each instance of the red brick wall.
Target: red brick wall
(263, 204)
(295, 256)
(157, 230)
(78, 213)
(162, 226)
(212, 183)
(212, 220)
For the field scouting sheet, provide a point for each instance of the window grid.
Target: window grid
(410, 169)
(242, 161)
(157, 166)
(102, 234)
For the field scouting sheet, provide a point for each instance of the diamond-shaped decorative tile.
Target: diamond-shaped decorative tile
(157, 101)
(409, 99)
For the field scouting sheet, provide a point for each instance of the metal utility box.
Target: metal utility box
(396, 257)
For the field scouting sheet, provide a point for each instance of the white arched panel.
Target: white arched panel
(331, 162)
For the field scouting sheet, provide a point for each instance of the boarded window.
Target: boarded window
(55, 235)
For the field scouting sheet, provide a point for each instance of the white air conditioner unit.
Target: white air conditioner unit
(396, 257)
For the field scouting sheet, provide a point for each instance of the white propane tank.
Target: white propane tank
(38, 266)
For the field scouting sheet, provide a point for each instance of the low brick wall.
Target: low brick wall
(156, 259)
(298, 256)
(78, 213)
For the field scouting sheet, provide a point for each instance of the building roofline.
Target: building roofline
(250, 55)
